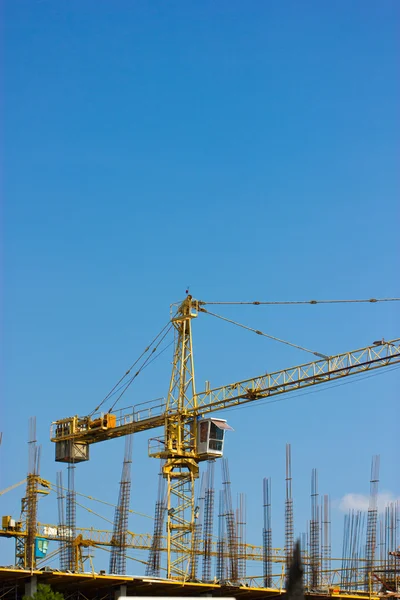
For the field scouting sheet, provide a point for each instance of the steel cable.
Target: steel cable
(258, 332)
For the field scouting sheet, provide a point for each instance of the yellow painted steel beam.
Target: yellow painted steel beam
(335, 367)
(153, 586)
(138, 541)
(356, 362)
(12, 487)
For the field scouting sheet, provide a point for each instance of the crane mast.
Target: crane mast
(181, 468)
(181, 447)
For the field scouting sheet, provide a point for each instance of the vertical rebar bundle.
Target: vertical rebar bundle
(241, 536)
(118, 552)
(304, 556)
(61, 523)
(381, 540)
(344, 574)
(326, 539)
(71, 520)
(314, 533)
(391, 545)
(199, 515)
(221, 544)
(370, 546)
(208, 521)
(352, 551)
(230, 524)
(267, 533)
(153, 566)
(288, 508)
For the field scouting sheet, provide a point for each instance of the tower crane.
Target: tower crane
(189, 435)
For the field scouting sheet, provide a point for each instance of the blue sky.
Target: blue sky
(248, 150)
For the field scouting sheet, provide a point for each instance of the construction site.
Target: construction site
(198, 543)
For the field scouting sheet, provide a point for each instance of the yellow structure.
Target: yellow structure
(182, 414)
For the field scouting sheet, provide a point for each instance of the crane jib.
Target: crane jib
(240, 394)
(89, 430)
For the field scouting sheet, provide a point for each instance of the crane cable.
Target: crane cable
(144, 364)
(111, 392)
(258, 332)
(56, 489)
(144, 367)
(256, 303)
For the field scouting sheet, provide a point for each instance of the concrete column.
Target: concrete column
(31, 586)
(121, 591)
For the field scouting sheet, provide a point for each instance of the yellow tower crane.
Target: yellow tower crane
(191, 437)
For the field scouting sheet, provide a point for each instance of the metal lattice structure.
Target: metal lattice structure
(326, 538)
(199, 515)
(233, 571)
(179, 417)
(267, 533)
(120, 530)
(72, 557)
(314, 533)
(370, 546)
(25, 545)
(180, 468)
(241, 536)
(153, 567)
(62, 528)
(221, 544)
(208, 526)
(288, 508)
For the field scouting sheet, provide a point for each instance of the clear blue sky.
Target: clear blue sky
(247, 149)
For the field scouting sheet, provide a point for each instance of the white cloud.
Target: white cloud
(361, 501)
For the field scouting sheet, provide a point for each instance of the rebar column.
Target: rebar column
(221, 544)
(153, 566)
(199, 515)
(241, 536)
(314, 533)
(267, 533)
(61, 523)
(370, 546)
(208, 521)
(120, 530)
(288, 509)
(71, 519)
(230, 524)
(326, 540)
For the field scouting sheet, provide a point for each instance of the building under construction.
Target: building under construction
(198, 544)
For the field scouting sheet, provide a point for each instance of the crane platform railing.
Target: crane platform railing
(97, 426)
